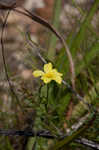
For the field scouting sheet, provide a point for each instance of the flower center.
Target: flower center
(49, 75)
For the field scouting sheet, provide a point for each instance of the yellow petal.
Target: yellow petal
(58, 79)
(45, 79)
(57, 76)
(38, 73)
(56, 72)
(47, 67)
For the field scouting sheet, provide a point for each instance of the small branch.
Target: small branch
(5, 6)
(87, 143)
(4, 61)
(72, 66)
(47, 135)
(43, 133)
(33, 45)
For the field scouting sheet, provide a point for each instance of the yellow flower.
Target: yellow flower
(49, 74)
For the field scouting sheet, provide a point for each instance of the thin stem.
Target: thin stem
(4, 62)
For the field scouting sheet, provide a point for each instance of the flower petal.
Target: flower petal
(58, 79)
(38, 73)
(45, 79)
(47, 67)
(57, 76)
(56, 72)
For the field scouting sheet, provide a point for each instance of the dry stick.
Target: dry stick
(27, 133)
(72, 66)
(47, 135)
(4, 6)
(88, 143)
(3, 56)
(32, 44)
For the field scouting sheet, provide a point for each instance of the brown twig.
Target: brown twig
(4, 61)
(47, 135)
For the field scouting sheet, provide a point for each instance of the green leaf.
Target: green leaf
(89, 56)
(63, 104)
